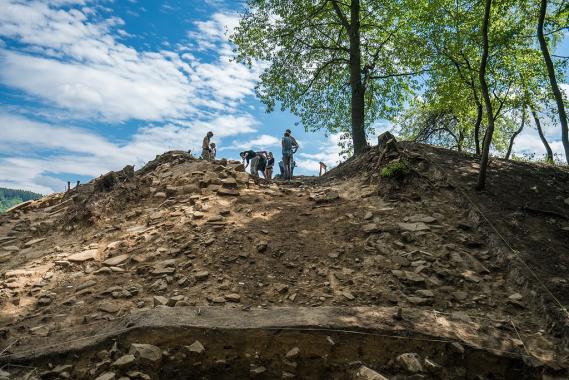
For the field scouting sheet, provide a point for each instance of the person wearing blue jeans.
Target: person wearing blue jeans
(292, 166)
(288, 149)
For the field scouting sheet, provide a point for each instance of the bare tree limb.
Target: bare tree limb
(400, 74)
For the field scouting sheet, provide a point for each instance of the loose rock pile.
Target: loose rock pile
(183, 232)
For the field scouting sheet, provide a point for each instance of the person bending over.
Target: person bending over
(253, 158)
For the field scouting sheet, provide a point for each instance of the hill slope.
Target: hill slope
(211, 273)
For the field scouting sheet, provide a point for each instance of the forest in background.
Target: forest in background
(11, 197)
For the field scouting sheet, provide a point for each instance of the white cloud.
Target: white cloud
(142, 93)
(528, 142)
(76, 151)
(18, 133)
(263, 142)
(329, 153)
(72, 60)
(84, 69)
(211, 32)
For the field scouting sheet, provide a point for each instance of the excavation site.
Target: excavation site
(193, 269)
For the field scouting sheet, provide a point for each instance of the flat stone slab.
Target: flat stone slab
(19, 273)
(90, 254)
(413, 227)
(227, 192)
(33, 242)
(116, 260)
(136, 229)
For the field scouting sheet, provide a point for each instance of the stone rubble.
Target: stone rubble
(183, 232)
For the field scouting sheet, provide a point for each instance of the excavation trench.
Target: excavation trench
(326, 343)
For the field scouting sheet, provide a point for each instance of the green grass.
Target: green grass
(395, 169)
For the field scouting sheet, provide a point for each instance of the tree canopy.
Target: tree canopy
(464, 74)
(320, 55)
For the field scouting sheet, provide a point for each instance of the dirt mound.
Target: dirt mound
(180, 237)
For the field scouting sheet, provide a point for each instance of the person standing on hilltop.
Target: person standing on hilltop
(294, 142)
(206, 150)
(262, 163)
(287, 147)
(212, 151)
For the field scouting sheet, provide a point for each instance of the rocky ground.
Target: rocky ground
(183, 233)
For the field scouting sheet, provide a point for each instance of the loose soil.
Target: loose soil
(182, 236)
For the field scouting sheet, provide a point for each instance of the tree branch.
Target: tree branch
(501, 101)
(322, 47)
(371, 67)
(318, 72)
(340, 14)
(400, 74)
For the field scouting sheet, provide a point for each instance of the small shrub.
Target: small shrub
(395, 169)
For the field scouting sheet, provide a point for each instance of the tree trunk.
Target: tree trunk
(486, 96)
(553, 79)
(460, 141)
(516, 133)
(549, 152)
(358, 89)
(477, 124)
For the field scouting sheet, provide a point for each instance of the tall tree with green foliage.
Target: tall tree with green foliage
(449, 30)
(338, 65)
(453, 33)
(486, 96)
(553, 78)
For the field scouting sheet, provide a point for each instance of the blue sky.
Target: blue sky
(88, 86)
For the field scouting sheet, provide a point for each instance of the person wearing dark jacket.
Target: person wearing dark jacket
(270, 165)
(254, 158)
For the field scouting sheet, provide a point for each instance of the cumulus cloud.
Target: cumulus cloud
(19, 134)
(69, 150)
(263, 142)
(528, 142)
(71, 59)
(329, 153)
(100, 90)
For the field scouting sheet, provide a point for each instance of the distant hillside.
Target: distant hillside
(11, 197)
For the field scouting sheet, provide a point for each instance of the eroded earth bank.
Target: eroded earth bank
(384, 268)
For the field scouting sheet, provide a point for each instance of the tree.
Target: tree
(549, 152)
(516, 133)
(425, 123)
(454, 43)
(486, 96)
(462, 45)
(12, 197)
(338, 65)
(552, 78)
